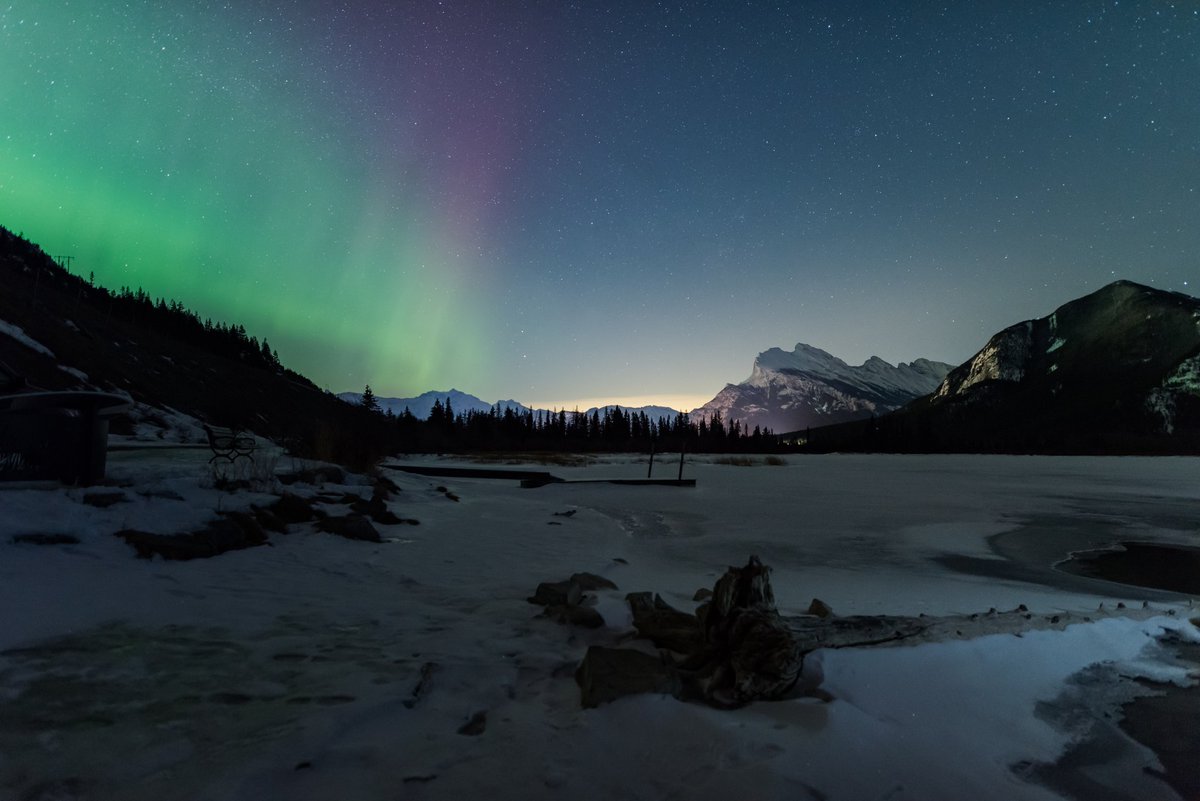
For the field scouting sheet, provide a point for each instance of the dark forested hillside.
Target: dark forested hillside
(161, 354)
(1116, 371)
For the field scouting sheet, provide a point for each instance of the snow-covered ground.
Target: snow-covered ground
(322, 668)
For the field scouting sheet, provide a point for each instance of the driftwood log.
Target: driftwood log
(737, 648)
(748, 652)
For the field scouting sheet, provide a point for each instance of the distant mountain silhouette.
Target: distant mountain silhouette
(421, 405)
(1116, 371)
(462, 402)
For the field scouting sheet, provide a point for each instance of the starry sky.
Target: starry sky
(561, 202)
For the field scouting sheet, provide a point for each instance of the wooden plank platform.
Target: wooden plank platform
(660, 482)
(532, 479)
(656, 482)
(477, 472)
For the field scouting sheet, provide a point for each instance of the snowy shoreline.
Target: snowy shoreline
(284, 671)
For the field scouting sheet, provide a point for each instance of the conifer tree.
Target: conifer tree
(369, 401)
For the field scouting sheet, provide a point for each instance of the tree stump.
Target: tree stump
(748, 651)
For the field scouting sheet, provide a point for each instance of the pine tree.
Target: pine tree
(368, 400)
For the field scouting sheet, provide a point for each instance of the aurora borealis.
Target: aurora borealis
(559, 201)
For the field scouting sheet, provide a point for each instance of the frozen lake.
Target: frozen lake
(887, 534)
(290, 671)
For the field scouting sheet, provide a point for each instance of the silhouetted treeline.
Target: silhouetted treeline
(611, 430)
(1017, 428)
(174, 319)
(136, 306)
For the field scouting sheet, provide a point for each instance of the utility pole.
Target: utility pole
(65, 262)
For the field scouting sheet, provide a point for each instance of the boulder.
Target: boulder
(475, 726)
(377, 510)
(292, 508)
(384, 486)
(820, 609)
(663, 625)
(557, 593)
(606, 674)
(592, 582)
(249, 525)
(352, 527)
(330, 474)
(269, 520)
(230, 533)
(585, 616)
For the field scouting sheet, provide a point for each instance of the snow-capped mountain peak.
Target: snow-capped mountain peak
(807, 386)
(804, 358)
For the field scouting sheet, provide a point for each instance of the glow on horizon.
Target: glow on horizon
(681, 403)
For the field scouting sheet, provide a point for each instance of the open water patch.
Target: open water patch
(1175, 568)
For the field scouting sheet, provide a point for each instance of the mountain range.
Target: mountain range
(463, 402)
(808, 387)
(786, 391)
(1116, 371)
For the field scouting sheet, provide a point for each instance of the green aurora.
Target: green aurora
(571, 202)
(148, 158)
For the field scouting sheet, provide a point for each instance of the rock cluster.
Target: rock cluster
(231, 532)
(236, 530)
(565, 601)
(737, 648)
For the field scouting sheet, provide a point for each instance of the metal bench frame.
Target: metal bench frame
(229, 444)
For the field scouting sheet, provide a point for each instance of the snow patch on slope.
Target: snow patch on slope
(1185, 377)
(1185, 380)
(1003, 358)
(18, 333)
(82, 376)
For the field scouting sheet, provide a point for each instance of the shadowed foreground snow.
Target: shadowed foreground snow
(324, 668)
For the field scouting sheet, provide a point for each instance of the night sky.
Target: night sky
(560, 202)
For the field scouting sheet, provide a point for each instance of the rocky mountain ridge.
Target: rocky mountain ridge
(1115, 371)
(809, 387)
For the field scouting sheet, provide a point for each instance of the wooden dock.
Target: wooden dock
(478, 472)
(532, 479)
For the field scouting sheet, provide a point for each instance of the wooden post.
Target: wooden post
(682, 448)
(650, 469)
